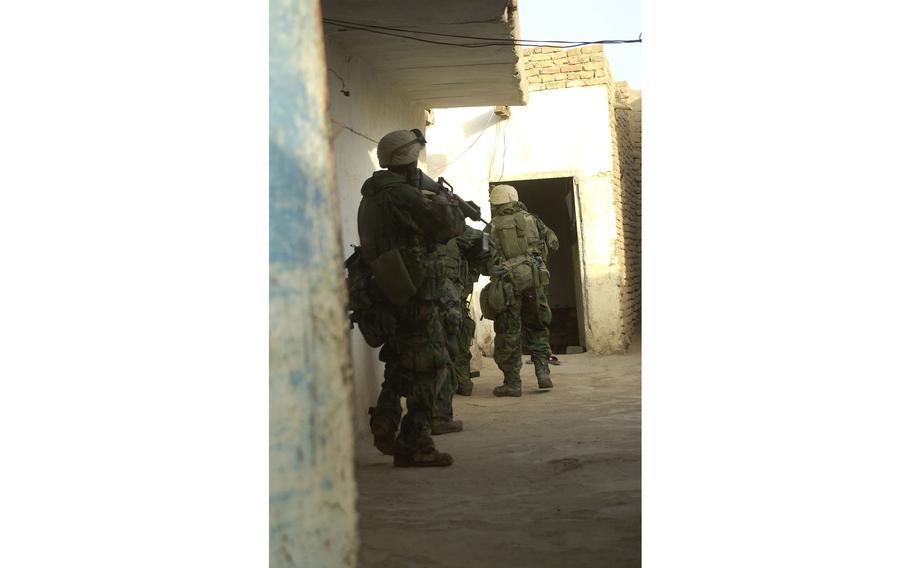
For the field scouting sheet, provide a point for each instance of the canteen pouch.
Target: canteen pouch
(392, 277)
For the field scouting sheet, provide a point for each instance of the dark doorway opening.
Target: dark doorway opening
(553, 201)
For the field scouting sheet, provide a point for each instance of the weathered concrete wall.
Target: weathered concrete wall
(312, 519)
(562, 132)
(357, 122)
(434, 74)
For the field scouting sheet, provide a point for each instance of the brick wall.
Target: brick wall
(556, 68)
(628, 130)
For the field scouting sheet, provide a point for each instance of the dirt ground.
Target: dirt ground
(551, 479)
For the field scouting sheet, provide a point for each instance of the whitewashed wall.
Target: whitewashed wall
(559, 133)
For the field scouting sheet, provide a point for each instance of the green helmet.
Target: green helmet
(400, 147)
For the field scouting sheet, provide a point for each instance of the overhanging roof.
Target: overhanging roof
(436, 76)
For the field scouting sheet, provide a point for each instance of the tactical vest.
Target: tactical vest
(400, 256)
(456, 266)
(514, 233)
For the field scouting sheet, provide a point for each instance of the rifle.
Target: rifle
(468, 208)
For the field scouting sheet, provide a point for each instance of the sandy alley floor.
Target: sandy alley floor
(551, 479)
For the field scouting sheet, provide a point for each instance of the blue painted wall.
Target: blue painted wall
(311, 488)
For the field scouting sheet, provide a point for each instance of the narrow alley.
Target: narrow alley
(551, 479)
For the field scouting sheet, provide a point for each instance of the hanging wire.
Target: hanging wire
(486, 41)
(361, 134)
(494, 150)
(482, 131)
(504, 141)
(344, 90)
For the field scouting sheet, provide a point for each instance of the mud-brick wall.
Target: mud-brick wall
(619, 212)
(628, 131)
(556, 68)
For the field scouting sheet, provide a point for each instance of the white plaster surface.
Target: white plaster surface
(559, 133)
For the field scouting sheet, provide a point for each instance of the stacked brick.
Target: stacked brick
(627, 109)
(620, 211)
(556, 68)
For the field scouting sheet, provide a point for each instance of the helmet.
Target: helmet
(400, 147)
(503, 194)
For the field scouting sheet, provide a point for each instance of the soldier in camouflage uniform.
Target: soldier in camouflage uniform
(517, 257)
(547, 242)
(399, 229)
(465, 260)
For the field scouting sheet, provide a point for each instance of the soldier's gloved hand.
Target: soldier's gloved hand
(498, 271)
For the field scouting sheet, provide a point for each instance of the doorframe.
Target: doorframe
(581, 290)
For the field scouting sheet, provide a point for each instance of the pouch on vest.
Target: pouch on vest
(495, 298)
(522, 276)
(505, 233)
(377, 325)
(544, 276)
(358, 282)
(392, 277)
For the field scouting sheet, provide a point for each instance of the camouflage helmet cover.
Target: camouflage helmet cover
(400, 147)
(502, 194)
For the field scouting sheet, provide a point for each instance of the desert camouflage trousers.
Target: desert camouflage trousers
(529, 317)
(417, 364)
(459, 334)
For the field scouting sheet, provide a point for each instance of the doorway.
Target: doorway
(553, 201)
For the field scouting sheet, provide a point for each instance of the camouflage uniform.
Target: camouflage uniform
(547, 242)
(529, 314)
(394, 214)
(464, 260)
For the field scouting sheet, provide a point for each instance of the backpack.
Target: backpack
(496, 297)
(367, 309)
(514, 233)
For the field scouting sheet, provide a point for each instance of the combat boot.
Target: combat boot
(465, 388)
(440, 425)
(511, 386)
(542, 370)
(383, 429)
(426, 457)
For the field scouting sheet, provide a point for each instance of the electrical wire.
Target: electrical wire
(482, 131)
(344, 90)
(494, 39)
(493, 151)
(504, 140)
(362, 135)
(488, 42)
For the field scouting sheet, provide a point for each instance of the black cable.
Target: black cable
(492, 43)
(482, 130)
(492, 39)
(361, 134)
(344, 90)
(505, 131)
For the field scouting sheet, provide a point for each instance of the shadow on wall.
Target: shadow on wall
(471, 131)
(480, 122)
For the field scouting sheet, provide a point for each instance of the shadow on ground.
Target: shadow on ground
(551, 479)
